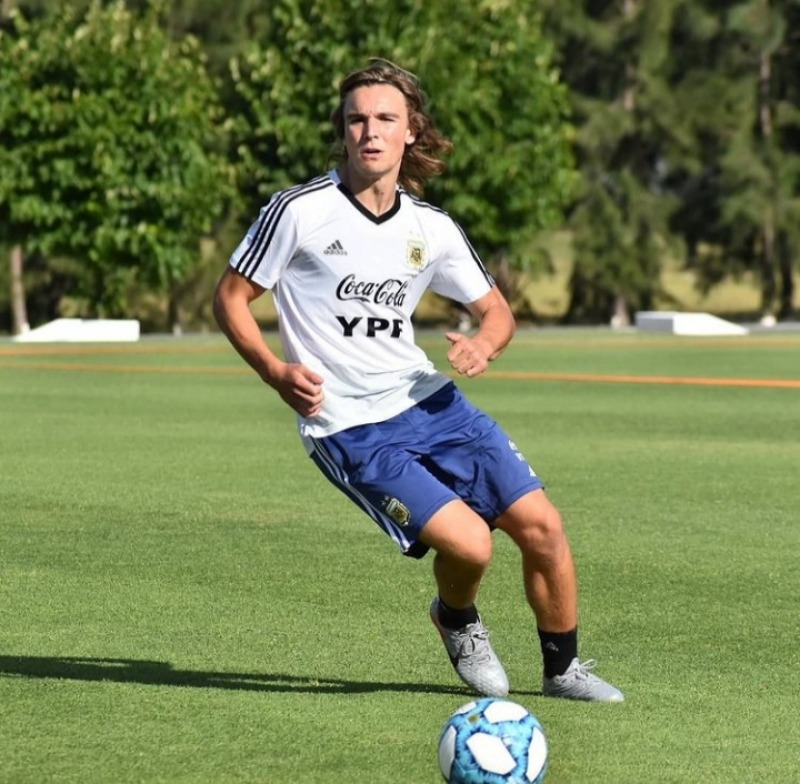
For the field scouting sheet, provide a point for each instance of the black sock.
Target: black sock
(558, 650)
(456, 619)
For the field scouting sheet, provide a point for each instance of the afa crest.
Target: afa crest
(417, 256)
(397, 511)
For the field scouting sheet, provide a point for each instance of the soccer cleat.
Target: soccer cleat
(578, 683)
(472, 656)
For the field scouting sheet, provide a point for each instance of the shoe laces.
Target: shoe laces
(474, 642)
(583, 669)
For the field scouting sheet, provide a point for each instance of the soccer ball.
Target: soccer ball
(492, 741)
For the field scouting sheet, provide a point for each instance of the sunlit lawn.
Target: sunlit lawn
(184, 599)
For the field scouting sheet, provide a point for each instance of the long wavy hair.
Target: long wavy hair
(422, 158)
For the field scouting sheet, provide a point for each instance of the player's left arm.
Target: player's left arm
(470, 355)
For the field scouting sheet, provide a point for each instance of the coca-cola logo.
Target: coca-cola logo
(390, 292)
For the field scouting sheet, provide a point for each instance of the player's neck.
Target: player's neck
(376, 195)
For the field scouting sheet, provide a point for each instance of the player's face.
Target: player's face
(376, 132)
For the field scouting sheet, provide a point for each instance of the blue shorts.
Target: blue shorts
(403, 470)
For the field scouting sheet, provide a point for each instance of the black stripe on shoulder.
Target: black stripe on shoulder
(251, 258)
(417, 202)
(476, 258)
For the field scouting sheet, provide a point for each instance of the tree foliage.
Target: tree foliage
(493, 87)
(687, 115)
(616, 62)
(740, 208)
(683, 117)
(113, 147)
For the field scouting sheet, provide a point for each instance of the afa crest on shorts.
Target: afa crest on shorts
(397, 511)
(417, 257)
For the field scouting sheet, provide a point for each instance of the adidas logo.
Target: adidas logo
(335, 249)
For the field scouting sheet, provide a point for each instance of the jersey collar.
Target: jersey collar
(378, 219)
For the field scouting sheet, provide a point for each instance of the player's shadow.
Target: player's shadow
(156, 673)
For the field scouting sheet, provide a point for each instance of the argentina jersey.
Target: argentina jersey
(345, 285)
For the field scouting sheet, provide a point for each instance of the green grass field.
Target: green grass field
(183, 598)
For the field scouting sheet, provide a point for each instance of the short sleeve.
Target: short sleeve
(268, 246)
(459, 272)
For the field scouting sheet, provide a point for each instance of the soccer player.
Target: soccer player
(347, 257)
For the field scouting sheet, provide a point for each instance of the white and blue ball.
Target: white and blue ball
(493, 741)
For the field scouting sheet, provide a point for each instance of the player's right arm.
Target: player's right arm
(298, 386)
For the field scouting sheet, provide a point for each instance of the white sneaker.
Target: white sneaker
(578, 683)
(472, 656)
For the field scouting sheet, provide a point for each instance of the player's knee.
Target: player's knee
(537, 529)
(459, 535)
(478, 550)
(472, 551)
(543, 533)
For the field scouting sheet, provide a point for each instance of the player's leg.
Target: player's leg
(380, 469)
(552, 591)
(491, 474)
(548, 571)
(462, 544)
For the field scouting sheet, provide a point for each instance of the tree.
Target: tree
(688, 127)
(114, 148)
(223, 27)
(616, 60)
(506, 112)
(739, 91)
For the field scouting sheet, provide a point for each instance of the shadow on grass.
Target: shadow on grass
(155, 673)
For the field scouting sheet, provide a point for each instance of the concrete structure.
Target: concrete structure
(686, 323)
(73, 330)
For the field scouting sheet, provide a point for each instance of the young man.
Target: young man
(347, 257)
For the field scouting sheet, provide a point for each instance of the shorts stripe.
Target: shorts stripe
(337, 476)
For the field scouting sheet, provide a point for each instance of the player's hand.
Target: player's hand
(300, 388)
(467, 356)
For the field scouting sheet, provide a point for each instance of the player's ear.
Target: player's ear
(411, 137)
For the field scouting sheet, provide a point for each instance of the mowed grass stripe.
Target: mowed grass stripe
(87, 368)
(182, 347)
(587, 378)
(541, 340)
(777, 383)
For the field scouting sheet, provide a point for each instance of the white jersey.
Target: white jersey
(345, 284)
